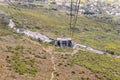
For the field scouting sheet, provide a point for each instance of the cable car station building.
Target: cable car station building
(64, 42)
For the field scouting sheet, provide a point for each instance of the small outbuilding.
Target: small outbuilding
(64, 42)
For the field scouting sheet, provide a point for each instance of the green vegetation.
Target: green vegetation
(104, 66)
(97, 34)
(3, 27)
(4, 32)
(65, 49)
(19, 63)
(5, 20)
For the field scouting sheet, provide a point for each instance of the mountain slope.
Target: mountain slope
(97, 34)
(27, 59)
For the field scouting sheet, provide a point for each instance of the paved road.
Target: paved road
(93, 50)
(88, 48)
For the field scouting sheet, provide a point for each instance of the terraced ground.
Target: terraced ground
(26, 59)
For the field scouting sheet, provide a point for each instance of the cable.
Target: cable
(71, 14)
(16, 8)
(74, 19)
(75, 16)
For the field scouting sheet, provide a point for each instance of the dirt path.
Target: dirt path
(50, 51)
(53, 60)
(54, 67)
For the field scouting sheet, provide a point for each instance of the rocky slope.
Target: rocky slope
(88, 7)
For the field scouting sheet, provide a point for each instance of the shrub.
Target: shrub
(10, 49)
(19, 63)
(43, 57)
(59, 64)
(102, 65)
(18, 47)
(56, 73)
(21, 67)
(73, 72)
(5, 20)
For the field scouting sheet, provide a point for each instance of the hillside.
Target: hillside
(18, 53)
(27, 59)
(97, 34)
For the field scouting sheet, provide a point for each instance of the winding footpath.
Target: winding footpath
(50, 51)
(54, 68)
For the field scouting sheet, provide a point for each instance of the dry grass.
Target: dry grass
(66, 71)
(31, 51)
